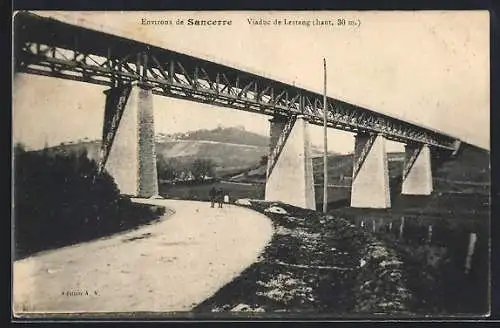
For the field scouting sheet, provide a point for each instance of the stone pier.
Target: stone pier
(291, 180)
(132, 157)
(370, 182)
(417, 175)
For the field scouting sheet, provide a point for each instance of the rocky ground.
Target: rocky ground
(316, 264)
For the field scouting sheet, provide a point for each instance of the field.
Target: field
(201, 191)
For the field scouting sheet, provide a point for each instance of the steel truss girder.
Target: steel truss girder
(172, 79)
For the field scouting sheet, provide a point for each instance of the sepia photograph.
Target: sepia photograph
(251, 164)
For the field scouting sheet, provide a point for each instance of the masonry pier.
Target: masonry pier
(417, 172)
(132, 155)
(370, 179)
(290, 170)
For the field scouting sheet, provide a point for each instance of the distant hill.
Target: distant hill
(471, 164)
(340, 167)
(228, 157)
(232, 135)
(468, 172)
(232, 149)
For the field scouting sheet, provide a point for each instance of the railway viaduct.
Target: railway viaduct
(135, 71)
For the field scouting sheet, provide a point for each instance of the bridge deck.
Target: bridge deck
(50, 47)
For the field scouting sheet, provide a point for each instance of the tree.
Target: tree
(59, 200)
(168, 169)
(263, 160)
(202, 168)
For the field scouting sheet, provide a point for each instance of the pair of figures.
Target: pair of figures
(216, 195)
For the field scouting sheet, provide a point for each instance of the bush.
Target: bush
(202, 168)
(60, 200)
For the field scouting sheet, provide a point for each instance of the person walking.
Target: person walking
(212, 194)
(220, 197)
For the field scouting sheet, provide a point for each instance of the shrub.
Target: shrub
(59, 200)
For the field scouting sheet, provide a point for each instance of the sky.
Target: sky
(429, 68)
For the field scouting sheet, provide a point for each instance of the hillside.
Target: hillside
(469, 171)
(471, 165)
(339, 168)
(232, 135)
(227, 156)
(232, 149)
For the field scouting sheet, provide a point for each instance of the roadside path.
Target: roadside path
(171, 265)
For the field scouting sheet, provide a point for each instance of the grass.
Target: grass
(242, 190)
(438, 205)
(201, 191)
(434, 270)
(435, 267)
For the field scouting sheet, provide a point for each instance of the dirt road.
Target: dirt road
(171, 265)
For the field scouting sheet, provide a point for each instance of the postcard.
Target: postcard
(254, 164)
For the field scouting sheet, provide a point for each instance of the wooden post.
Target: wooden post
(325, 151)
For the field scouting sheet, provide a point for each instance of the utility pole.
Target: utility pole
(325, 143)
